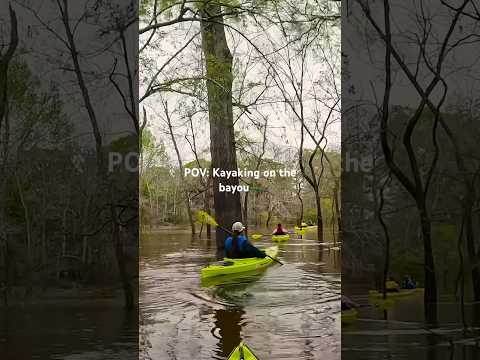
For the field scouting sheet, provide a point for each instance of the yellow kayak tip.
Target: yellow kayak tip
(242, 352)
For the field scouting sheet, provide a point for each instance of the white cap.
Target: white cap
(238, 226)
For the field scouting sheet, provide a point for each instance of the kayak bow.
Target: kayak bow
(242, 352)
(404, 292)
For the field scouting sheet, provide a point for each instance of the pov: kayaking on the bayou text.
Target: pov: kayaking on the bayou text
(239, 173)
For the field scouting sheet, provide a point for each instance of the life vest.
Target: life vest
(241, 240)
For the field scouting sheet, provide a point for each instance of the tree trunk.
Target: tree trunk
(218, 63)
(471, 248)
(269, 213)
(117, 242)
(245, 210)
(207, 209)
(182, 175)
(26, 214)
(337, 210)
(300, 215)
(430, 296)
(318, 203)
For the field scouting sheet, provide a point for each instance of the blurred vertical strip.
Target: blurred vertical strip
(410, 176)
(69, 129)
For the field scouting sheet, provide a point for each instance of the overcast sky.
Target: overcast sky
(283, 128)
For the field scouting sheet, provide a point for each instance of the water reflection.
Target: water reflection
(400, 332)
(80, 331)
(228, 327)
(282, 312)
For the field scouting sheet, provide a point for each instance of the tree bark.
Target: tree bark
(299, 196)
(218, 63)
(318, 202)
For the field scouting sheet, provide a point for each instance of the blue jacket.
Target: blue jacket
(244, 248)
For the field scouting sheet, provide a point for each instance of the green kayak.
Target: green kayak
(242, 352)
(299, 230)
(234, 266)
(349, 316)
(247, 277)
(306, 228)
(281, 237)
(404, 292)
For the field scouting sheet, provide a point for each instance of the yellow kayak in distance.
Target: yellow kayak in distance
(234, 266)
(281, 237)
(242, 352)
(299, 231)
(395, 294)
(349, 316)
(306, 228)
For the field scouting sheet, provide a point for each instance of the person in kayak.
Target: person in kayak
(279, 230)
(237, 245)
(409, 283)
(392, 285)
(303, 225)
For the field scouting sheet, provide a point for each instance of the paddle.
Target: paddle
(202, 216)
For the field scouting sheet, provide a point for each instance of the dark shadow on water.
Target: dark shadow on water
(228, 328)
(55, 332)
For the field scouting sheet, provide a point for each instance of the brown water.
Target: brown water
(401, 332)
(73, 332)
(285, 312)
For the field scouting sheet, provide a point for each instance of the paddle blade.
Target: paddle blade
(205, 218)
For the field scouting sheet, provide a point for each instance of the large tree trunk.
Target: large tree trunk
(218, 61)
(336, 203)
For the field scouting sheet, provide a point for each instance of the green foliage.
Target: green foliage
(153, 152)
(36, 108)
(125, 144)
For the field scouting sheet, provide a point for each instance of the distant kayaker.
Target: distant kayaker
(409, 283)
(392, 285)
(279, 230)
(237, 245)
